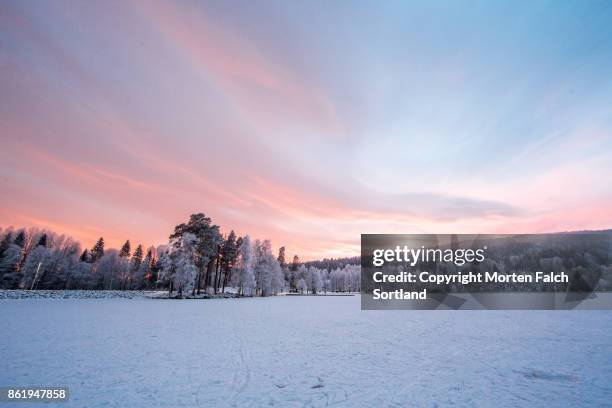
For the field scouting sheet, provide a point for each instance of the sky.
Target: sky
(307, 123)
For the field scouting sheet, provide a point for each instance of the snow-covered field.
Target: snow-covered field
(303, 352)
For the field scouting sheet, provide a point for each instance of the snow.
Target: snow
(79, 294)
(303, 351)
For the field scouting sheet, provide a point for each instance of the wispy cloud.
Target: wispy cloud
(308, 124)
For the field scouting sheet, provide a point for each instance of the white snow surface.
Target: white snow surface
(303, 351)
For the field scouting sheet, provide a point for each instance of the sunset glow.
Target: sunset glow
(304, 125)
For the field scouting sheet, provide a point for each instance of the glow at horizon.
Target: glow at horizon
(307, 123)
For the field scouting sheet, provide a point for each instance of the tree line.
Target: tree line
(197, 259)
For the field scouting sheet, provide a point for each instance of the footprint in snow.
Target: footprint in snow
(547, 375)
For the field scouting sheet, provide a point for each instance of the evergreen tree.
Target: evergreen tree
(6, 241)
(136, 261)
(125, 250)
(9, 277)
(137, 257)
(229, 255)
(295, 263)
(155, 271)
(97, 252)
(124, 269)
(20, 239)
(43, 240)
(282, 263)
(143, 277)
(84, 256)
(281, 257)
(293, 274)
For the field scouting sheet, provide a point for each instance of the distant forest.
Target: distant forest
(197, 259)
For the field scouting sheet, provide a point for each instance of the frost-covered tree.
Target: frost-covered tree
(325, 281)
(243, 275)
(38, 259)
(81, 277)
(314, 279)
(301, 286)
(35, 258)
(60, 270)
(9, 278)
(109, 270)
(346, 279)
(178, 264)
(183, 257)
(165, 276)
(265, 267)
(208, 240)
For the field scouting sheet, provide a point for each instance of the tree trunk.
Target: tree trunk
(225, 280)
(199, 280)
(218, 275)
(207, 277)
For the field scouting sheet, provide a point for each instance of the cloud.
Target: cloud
(266, 93)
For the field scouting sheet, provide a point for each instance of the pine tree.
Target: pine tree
(293, 275)
(155, 271)
(281, 257)
(6, 241)
(137, 257)
(43, 240)
(84, 256)
(20, 239)
(9, 277)
(144, 276)
(282, 263)
(125, 250)
(137, 279)
(97, 252)
(295, 263)
(230, 253)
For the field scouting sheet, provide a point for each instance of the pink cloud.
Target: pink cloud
(265, 92)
